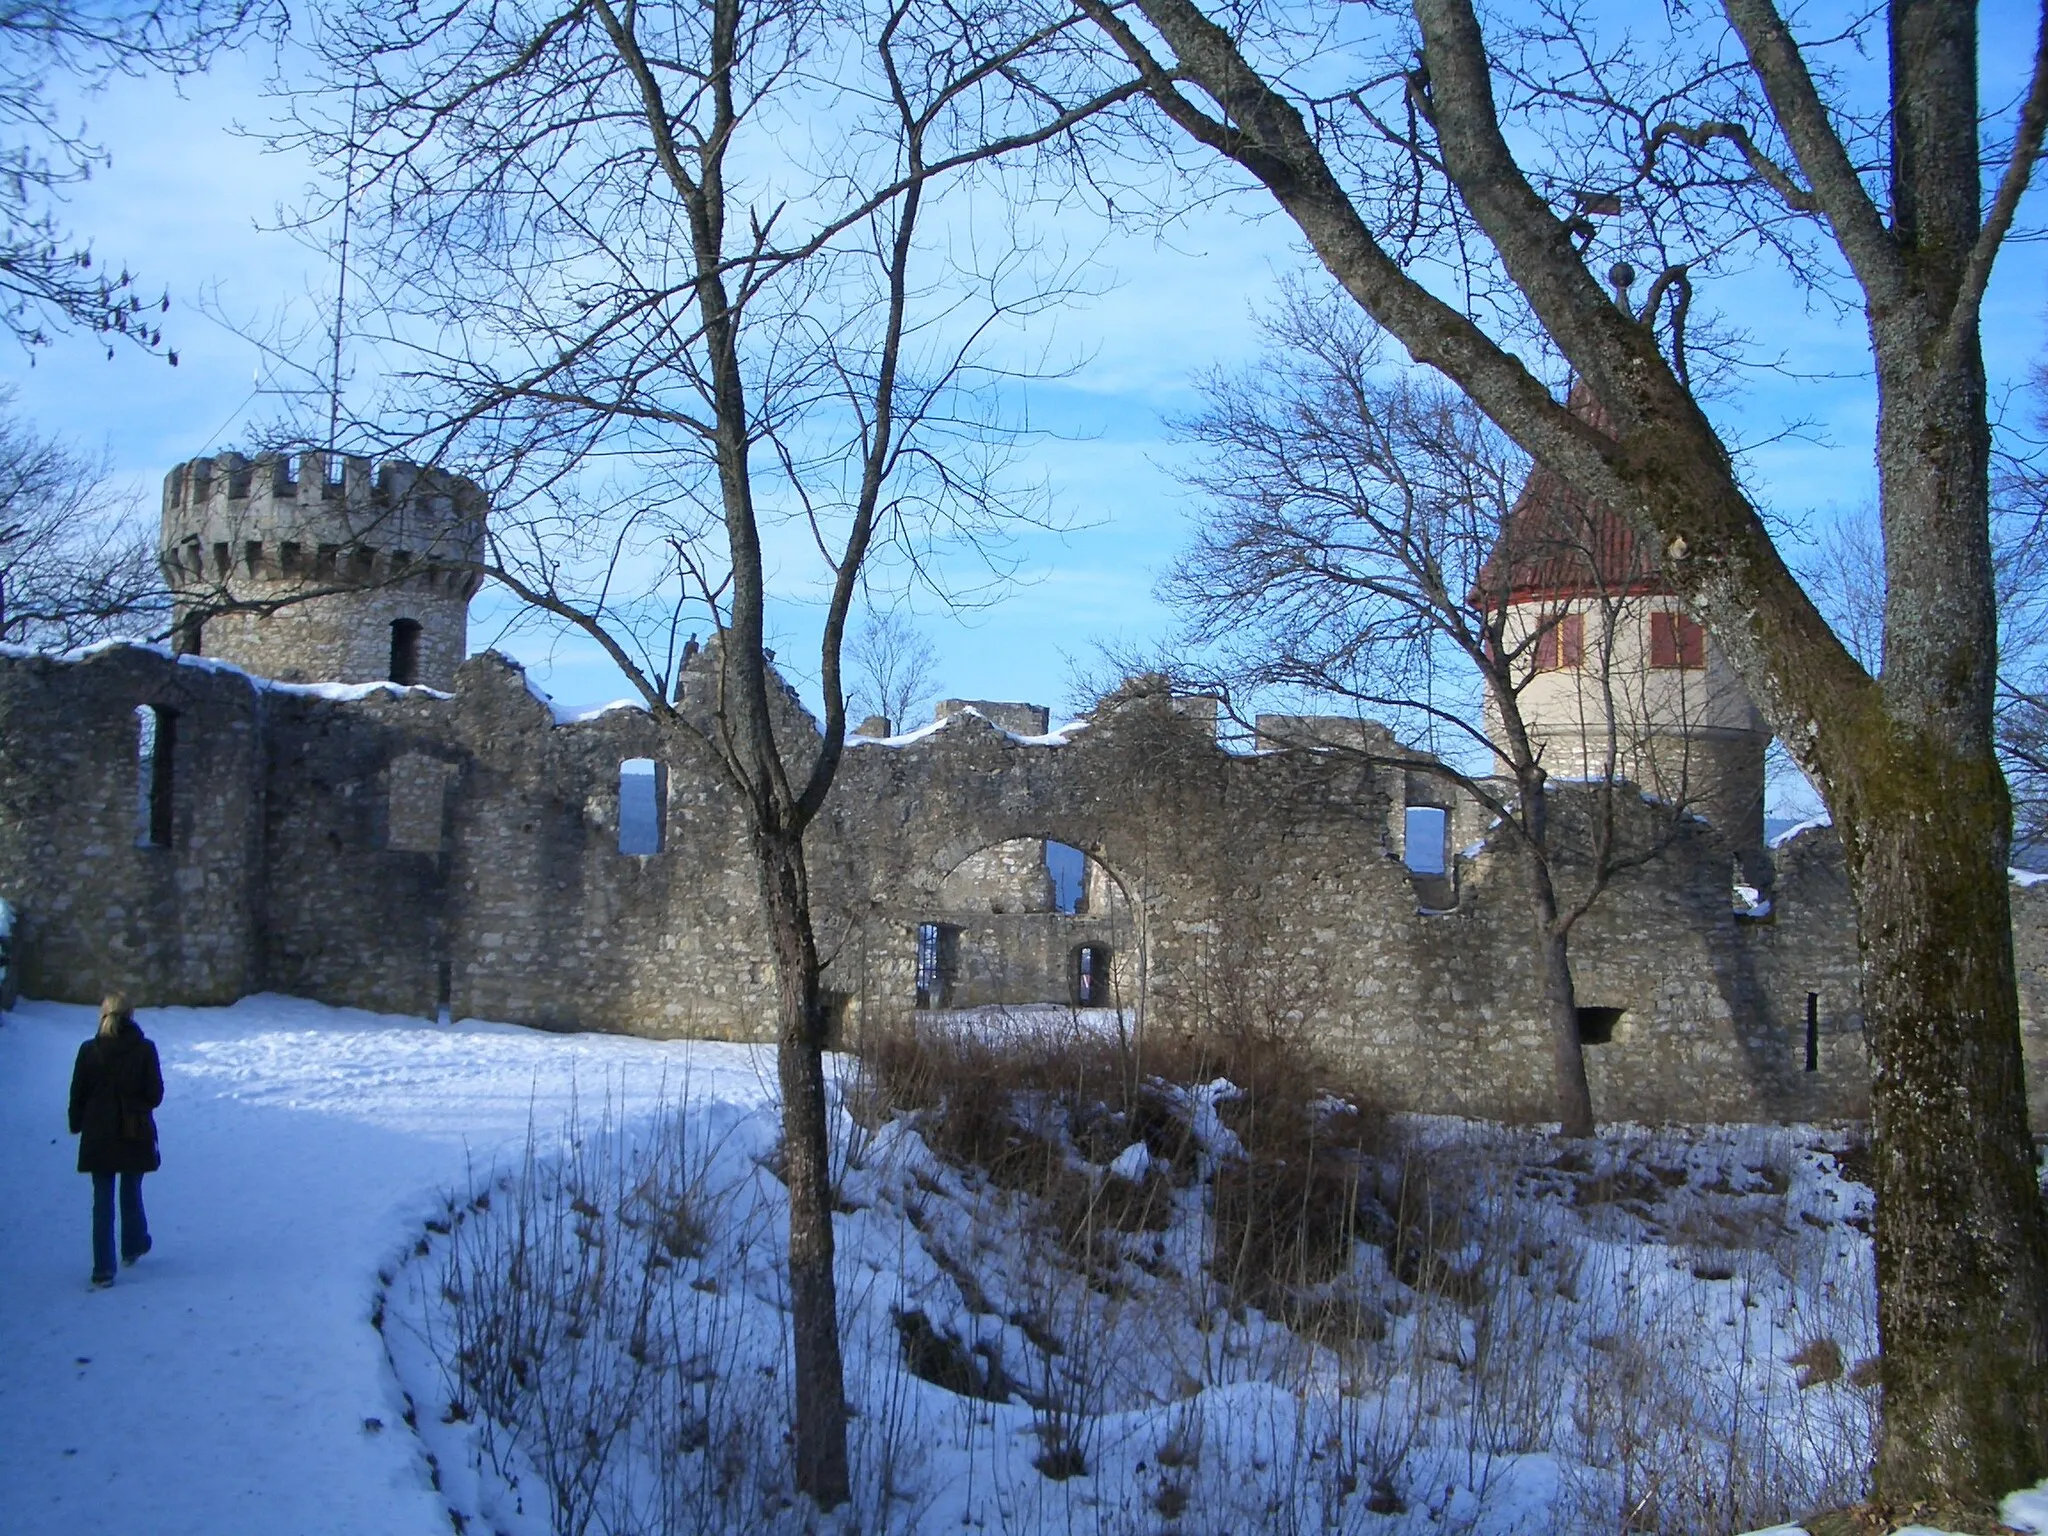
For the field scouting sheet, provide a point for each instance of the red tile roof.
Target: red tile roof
(1559, 543)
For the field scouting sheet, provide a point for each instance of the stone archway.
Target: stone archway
(1014, 925)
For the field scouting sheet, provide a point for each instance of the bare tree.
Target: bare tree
(2020, 526)
(49, 283)
(664, 277)
(1499, 160)
(77, 561)
(894, 669)
(1375, 540)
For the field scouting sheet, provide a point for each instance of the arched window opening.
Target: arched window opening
(405, 651)
(1068, 868)
(1422, 839)
(937, 960)
(1091, 976)
(156, 738)
(642, 786)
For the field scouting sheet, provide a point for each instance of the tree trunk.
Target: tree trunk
(819, 1388)
(1554, 968)
(1962, 1265)
(1962, 1243)
(1561, 1008)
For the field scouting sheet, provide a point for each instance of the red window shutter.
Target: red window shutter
(1663, 639)
(1560, 643)
(1677, 641)
(1692, 643)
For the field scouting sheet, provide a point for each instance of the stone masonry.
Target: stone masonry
(404, 849)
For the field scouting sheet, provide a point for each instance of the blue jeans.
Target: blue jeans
(134, 1225)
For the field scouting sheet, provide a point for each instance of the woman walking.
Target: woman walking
(115, 1084)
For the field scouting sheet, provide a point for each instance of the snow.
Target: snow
(341, 692)
(1057, 737)
(1800, 829)
(224, 1384)
(2026, 877)
(332, 1179)
(2027, 1510)
(563, 715)
(1132, 1164)
(344, 693)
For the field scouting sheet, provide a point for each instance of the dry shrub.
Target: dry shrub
(1289, 1215)
(1283, 1224)
(1818, 1361)
(944, 1361)
(1005, 1104)
(1031, 1111)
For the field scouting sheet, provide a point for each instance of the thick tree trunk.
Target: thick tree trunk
(1561, 1009)
(819, 1388)
(1962, 1264)
(1962, 1243)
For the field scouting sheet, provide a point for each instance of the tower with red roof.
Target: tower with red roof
(1616, 677)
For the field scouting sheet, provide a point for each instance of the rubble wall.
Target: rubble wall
(399, 849)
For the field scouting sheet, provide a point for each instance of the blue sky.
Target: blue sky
(187, 200)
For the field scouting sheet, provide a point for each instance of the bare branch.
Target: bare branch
(1859, 229)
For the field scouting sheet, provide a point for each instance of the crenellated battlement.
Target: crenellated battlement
(229, 520)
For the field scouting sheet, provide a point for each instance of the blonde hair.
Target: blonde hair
(114, 1012)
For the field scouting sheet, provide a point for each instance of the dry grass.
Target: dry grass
(1040, 1117)
(1818, 1361)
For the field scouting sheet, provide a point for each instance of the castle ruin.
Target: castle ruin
(299, 802)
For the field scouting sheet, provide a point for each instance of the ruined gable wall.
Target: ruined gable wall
(550, 924)
(99, 910)
(524, 896)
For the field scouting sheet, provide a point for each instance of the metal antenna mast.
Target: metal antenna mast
(348, 198)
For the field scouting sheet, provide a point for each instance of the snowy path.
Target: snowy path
(222, 1386)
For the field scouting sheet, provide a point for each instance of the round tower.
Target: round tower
(311, 579)
(1618, 670)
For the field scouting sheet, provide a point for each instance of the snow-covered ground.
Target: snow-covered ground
(343, 1196)
(226, 1383)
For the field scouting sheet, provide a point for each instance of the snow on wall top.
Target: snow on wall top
(1057, 737)
(341, 692)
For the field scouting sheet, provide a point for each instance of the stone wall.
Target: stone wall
(101, 908)
(399, 849)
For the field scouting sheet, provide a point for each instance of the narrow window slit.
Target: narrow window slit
(405, 651)
(156, 739)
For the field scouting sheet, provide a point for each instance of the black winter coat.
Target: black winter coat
(114, 1086)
